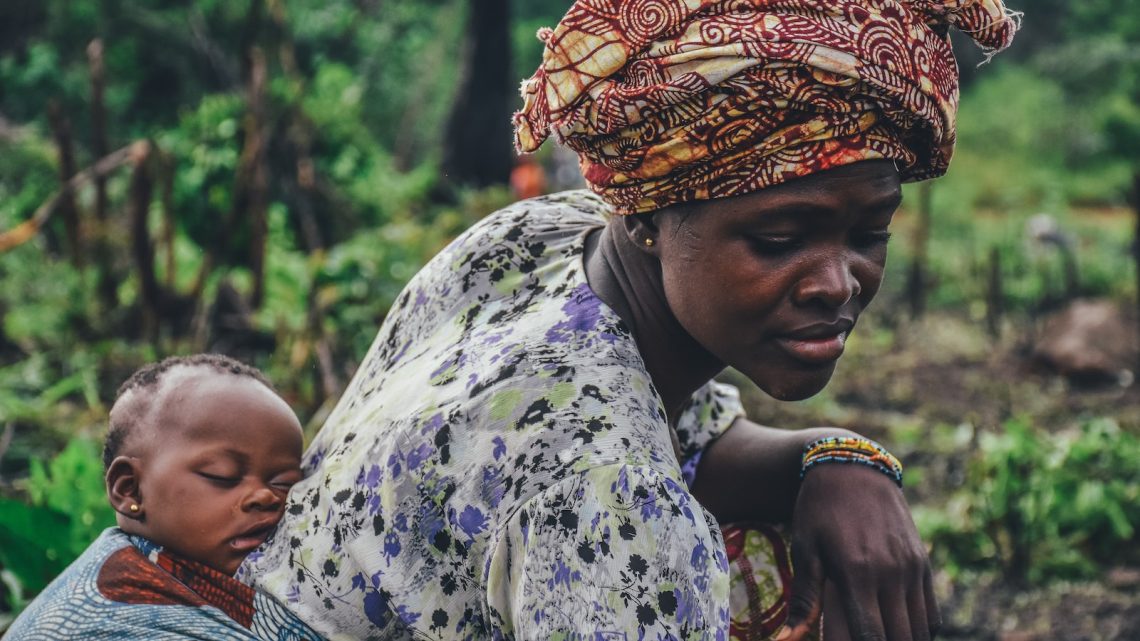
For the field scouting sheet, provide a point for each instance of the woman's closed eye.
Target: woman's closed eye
(870, 238)
(776, 245)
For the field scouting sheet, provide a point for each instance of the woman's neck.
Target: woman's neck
(629, 281)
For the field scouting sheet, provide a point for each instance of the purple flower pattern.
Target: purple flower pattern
(500, 467)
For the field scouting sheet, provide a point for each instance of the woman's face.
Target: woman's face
(772, 282)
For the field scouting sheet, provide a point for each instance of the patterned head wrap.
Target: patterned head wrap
(667, 101)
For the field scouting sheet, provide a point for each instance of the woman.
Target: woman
(533, 447)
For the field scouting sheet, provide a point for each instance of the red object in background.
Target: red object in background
(528, 178)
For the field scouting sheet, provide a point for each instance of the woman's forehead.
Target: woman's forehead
(870, 185)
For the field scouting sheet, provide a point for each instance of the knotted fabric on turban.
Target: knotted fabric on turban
(667, 101)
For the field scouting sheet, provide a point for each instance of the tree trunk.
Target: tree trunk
(477, 148)
(258, 203)
(251, 197)
(107, 284)
(142, 249)
(99, 144)
(68, 211)
(27, 230)
(995, 295)
(1136, 250)
(917, 279)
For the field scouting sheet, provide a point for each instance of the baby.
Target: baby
(199, 458)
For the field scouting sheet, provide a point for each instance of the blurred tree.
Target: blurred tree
(477, 143)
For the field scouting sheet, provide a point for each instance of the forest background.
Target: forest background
(260, 178)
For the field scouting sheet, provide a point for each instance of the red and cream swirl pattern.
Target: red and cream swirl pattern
(672, 100)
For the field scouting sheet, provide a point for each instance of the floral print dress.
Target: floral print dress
(500, 466)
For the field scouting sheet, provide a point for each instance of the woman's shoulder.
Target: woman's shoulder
(576, 205)
(501, 267)
(560, 214)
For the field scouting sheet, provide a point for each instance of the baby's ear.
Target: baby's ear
(123, 487)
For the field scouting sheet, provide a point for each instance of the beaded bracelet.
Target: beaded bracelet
(847, 449)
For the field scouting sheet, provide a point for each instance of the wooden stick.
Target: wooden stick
(5, 439)
(919, 269)
(27, 230)
(68, 208)
(142, 249)
(1136, 252)
(99, 143)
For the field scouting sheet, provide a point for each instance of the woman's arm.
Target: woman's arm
(851, 527)
(752, 472)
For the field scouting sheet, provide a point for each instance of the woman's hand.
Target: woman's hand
(852, 530)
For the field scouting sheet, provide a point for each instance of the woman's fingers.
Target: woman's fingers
(806, 600)
(861, 607)
(933, 613)
(904, 613)
(853, 526)
(834, 616)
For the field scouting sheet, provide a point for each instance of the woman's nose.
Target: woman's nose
(831, 282)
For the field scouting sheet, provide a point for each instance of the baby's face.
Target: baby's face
(221, 459)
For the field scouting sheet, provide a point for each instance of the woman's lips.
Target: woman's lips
(824, 349)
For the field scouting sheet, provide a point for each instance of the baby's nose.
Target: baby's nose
(262, 498)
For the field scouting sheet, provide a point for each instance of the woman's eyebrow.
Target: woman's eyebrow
(814, 207)
(889, 201)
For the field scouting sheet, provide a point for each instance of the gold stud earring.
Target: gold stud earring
(648, 242)
(134, 508)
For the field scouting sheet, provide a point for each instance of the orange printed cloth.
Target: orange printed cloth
(668, 101)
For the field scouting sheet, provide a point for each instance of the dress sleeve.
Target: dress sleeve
(615, 552)
(711, 411)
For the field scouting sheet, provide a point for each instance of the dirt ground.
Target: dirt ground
(902, 381)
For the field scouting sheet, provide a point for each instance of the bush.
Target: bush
(1040, 507)
(67, 511)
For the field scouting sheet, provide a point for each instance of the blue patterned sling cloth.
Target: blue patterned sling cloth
(124, 587)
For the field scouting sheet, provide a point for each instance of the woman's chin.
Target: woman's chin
(793, 385)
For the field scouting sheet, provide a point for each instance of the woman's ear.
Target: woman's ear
(642, 231)
(123, 492)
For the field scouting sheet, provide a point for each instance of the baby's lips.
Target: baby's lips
(253, 537)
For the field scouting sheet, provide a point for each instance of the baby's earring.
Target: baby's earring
(134, 508)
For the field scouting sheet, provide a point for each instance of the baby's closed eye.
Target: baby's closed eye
(286, 480)
(225, 479)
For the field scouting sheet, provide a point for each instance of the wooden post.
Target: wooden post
(142, 249)
(99, 142)
(918, 276)
(168, 166)
(995, 295)
(61, 132)
(477, 149)
(257, 174)
(1136, 253)
(27, 230)
(107, 282)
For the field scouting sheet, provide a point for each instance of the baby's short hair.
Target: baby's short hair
(145, 381)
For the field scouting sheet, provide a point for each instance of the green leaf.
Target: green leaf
(35, 543)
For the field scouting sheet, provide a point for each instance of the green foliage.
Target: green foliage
(42, 294)
(205, 148)
(72, 484)
(1052, 126)
(68, 509)
(1042, 507)
(27, 176)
